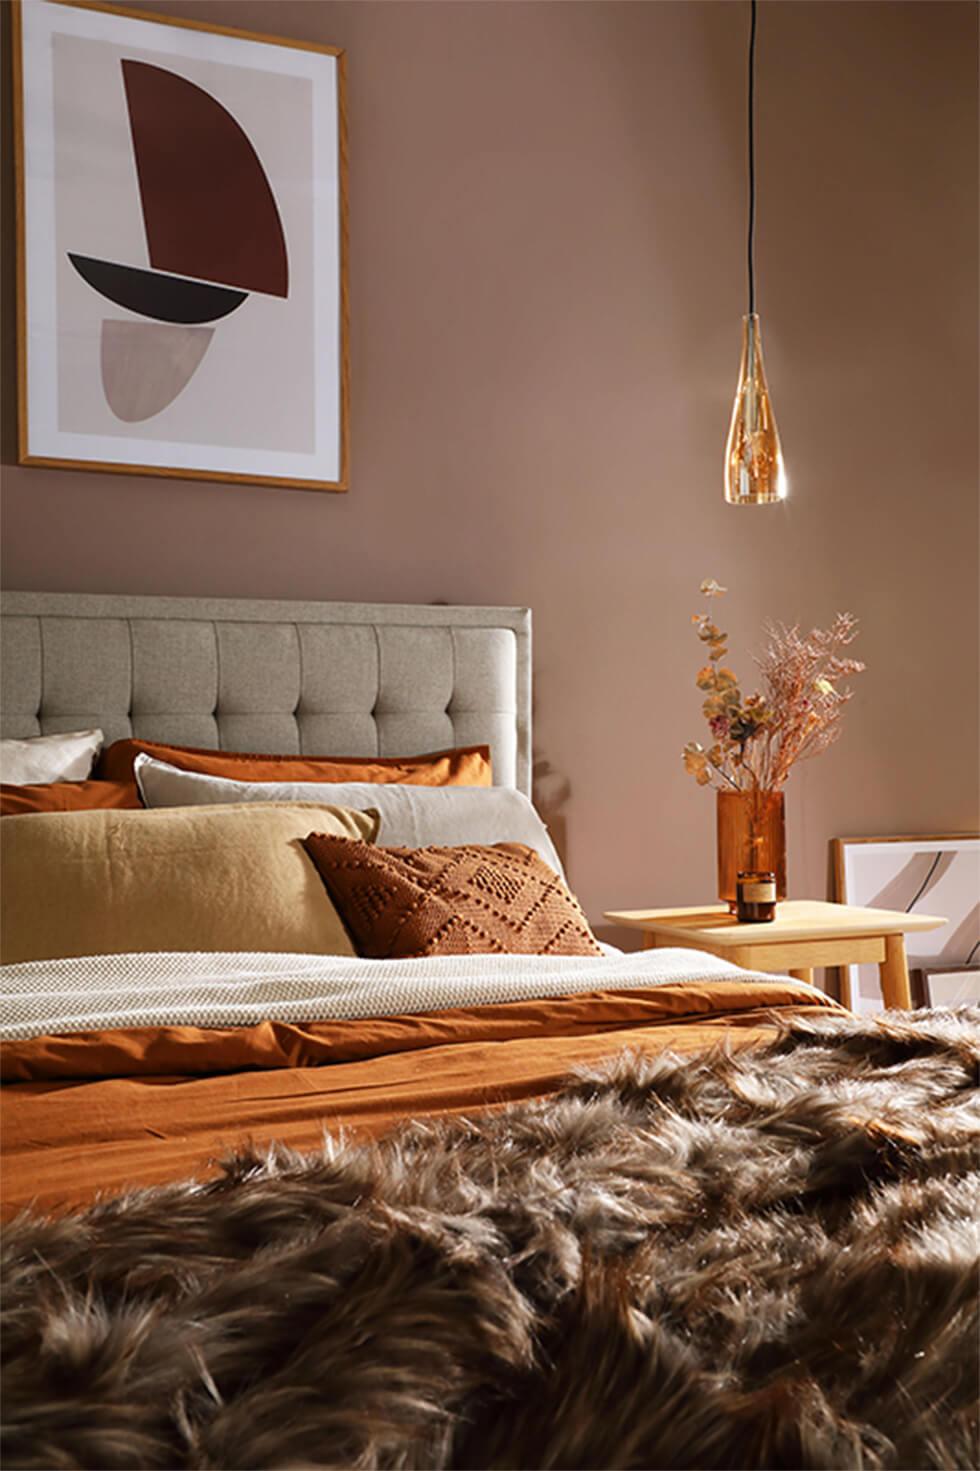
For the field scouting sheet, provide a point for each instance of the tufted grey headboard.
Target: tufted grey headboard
(346, 679)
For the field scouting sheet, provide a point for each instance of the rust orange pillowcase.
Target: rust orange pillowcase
(469, 766)
(66, 796)
(400, 902)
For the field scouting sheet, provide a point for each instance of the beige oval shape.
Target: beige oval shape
(145, 365)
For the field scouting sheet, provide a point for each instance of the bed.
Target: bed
(436, 1190)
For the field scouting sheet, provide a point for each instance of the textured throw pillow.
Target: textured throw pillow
(204, 878)
(399, 902)
(411, 816)
(467, 767)
(67, 796)
(67, 756)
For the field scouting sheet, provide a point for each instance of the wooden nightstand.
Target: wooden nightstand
(804, 934)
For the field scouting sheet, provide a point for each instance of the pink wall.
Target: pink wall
(547, 215)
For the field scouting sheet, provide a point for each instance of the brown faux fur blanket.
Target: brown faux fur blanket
(760, 1260)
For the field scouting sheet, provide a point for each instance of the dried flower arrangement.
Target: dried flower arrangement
(758, 739)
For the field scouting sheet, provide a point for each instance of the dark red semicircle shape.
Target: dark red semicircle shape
(208, 208)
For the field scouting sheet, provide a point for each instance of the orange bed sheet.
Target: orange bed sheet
(95, 1113)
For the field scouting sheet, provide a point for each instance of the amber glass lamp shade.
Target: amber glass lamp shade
(754, 474)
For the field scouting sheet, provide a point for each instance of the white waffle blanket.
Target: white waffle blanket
(220, 990)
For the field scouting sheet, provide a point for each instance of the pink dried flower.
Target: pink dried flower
(760, 738)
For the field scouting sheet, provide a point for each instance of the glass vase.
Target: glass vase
(751, 835)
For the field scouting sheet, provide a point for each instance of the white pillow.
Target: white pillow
(67, 756)
(411, 817)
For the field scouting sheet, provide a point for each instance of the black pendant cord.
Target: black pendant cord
(752, 161)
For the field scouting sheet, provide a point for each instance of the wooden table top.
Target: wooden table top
(796, 919)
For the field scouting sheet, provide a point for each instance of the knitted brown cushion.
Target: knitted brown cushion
(399, 902)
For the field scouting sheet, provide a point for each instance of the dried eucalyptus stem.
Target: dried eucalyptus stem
(759, 738)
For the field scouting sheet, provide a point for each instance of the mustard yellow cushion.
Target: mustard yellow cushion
(178, 878)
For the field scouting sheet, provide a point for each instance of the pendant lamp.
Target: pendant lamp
(754, 473)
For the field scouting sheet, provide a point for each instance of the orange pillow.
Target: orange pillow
(400, 902)
(66, 796)
(467, 767)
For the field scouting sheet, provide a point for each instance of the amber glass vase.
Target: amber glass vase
(751, 835)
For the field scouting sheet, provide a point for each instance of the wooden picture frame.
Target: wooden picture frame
(205, 286)
(937, 872)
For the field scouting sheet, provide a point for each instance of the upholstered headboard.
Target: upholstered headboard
(349, 679)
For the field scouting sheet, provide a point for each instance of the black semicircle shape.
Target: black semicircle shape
(154, 294)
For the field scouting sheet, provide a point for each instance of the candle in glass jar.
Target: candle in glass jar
(755, 901)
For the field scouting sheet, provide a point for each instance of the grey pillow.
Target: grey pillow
(411, 817)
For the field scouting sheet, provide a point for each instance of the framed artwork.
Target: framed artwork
(934, 874)
(957, 986)
(181, 204)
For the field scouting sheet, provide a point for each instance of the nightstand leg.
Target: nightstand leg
(804, 974)
(844, 980)
(894, 973)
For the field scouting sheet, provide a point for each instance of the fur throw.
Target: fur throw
(765, 1259)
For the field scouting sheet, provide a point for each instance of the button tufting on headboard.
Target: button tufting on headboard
(329, 678)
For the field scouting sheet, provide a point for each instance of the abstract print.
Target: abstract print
(210, 217)
(183, 307)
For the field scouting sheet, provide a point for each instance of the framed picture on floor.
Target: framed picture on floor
(182, 302)
(959, 985)
(933, 874)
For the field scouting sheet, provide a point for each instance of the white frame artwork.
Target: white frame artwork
(932, 874)
(959, 985)
(246, 378)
